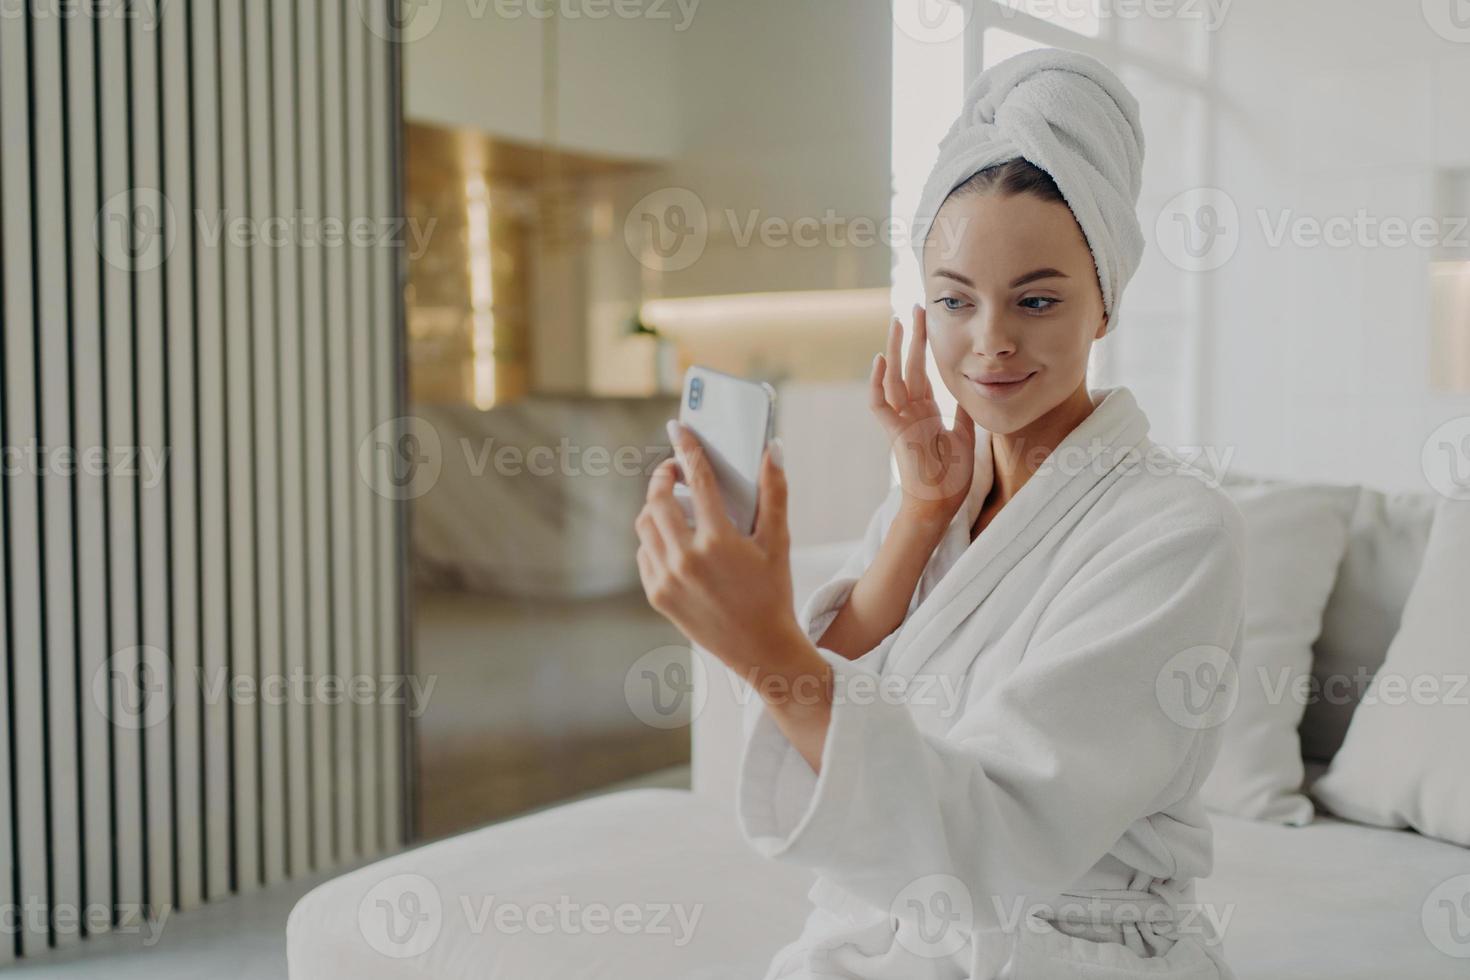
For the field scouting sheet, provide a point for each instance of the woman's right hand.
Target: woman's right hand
(936, 464)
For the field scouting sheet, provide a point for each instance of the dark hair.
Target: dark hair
(1015, 176)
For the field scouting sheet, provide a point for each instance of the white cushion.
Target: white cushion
(696, 902)
(1295, 539)
(1386, 542)
(1406, 759)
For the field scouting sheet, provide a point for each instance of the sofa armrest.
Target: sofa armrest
(717, 737)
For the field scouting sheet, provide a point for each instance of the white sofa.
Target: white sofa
(597, 888)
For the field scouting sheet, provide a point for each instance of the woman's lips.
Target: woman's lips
(1000, 389)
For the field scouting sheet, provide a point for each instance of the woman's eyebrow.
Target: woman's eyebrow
(1037, 274)
(1031, 276)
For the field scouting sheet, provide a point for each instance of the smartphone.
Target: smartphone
(734, 419)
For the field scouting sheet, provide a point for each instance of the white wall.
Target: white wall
(1319, 357)
(481, 64)
(784, 113)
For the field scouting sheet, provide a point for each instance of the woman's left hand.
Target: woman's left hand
(727, 592)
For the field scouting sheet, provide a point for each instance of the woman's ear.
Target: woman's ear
(1102, 328)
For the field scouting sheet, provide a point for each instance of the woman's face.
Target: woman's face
(1013, 306)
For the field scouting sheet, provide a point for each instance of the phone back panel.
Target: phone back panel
(733, 418)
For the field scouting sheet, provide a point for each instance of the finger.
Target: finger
(649, 536)
(877, 400)
(771, 530)
(649, 569)
(893, 386)
(665, 510)
(699, 474)
(661, 483)
(915, 375)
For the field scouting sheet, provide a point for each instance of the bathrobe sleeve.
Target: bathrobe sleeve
(1042, 775)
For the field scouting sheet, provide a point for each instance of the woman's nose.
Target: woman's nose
(991, 337)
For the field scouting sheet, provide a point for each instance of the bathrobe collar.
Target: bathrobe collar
(1095, 452)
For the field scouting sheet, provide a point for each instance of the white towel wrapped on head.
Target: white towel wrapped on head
(1068, 114)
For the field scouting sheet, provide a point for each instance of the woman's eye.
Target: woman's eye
(951, 303)
(1047, 300)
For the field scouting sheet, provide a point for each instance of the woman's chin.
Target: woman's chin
(1000, 420)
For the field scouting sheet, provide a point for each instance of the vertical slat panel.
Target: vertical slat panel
(51, 263)
(240, 414)
(9, 321)
(214, 514)
(153, 441)
(7, 849)
(381, 129)
(24, 499)
(213, 524)
(91, 485)
(314, 326)
(116, 231)
(178, 172)
(264, 329)
(292, 443)
(339, 407)
(365, 326)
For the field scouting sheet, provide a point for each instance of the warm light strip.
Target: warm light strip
(482, 291)
(815, 308)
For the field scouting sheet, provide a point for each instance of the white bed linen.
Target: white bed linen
(1337, 901)
(647, 848)
(1331, 901)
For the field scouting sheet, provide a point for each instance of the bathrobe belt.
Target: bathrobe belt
(1108, 908)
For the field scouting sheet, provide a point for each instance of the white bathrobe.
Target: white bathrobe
(1018, 796)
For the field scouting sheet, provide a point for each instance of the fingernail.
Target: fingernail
(673, 426)
(776, 456)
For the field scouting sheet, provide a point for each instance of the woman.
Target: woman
(986, 734)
